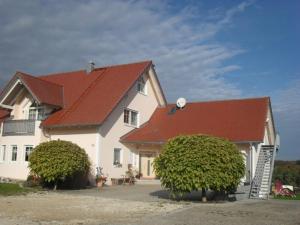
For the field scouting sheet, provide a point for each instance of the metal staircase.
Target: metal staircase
(261, 183)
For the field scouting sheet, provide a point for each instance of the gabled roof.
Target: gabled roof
(240, 120)
(90, 98)
(42, 91)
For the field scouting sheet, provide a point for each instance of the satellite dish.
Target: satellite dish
(181, 102)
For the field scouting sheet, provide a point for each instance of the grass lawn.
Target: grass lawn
(287, 198)
(14, 189)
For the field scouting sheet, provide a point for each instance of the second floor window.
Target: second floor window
(36, 113)
(131, 117)
(14, 153)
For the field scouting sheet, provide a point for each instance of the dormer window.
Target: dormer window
(36, 113)
(141, 85)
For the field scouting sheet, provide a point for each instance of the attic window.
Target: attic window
(141, 85)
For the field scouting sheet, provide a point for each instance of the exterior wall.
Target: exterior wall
(84, 137)
(21, 106)
(18, 169)
(113, 128)
(246, 152)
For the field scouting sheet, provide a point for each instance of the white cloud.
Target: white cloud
(43, 37)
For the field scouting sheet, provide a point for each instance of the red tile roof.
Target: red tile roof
(44, 91)
(90, 98)
(238, 120)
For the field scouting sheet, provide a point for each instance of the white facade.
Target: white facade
(98, 141)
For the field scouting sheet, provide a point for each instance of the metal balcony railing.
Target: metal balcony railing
(18, 127)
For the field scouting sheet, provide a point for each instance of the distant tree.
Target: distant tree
(198, 162)
(57, 161)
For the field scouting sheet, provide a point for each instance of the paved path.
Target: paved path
(142, 205)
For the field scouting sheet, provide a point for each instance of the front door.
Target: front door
(146, 165)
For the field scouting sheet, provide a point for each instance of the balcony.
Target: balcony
(18, 128)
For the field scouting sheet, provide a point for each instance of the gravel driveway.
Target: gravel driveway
(139, 204)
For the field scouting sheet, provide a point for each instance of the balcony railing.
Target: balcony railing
(18, 127)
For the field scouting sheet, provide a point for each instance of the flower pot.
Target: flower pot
(100, 184)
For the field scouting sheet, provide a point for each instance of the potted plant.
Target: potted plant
(100, 180)
(100, 177)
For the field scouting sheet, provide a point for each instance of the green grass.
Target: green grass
(287, 198)
(14, 189)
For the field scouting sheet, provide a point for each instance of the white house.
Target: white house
(120, 116)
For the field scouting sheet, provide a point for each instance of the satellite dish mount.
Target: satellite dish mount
(180, 103)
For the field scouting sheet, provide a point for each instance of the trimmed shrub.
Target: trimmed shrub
(198, 162)
(58, 161)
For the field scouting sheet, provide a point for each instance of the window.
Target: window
(28, 150)
(3, 152)
(131, 117)
(36, 112)
(117, 157)
(14, 152)
(141, 85)
(126, 116)
(32, 114)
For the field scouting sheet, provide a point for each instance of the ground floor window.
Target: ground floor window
(117, 157)
(14, 152)
(3, 152)
(28, 150)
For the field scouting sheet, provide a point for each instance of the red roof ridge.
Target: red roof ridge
(97, 68)
(225, 100)
(84, 93)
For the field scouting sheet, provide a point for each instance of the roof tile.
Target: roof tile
(237, 120)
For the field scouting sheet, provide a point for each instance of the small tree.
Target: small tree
(198, 162)
(56, 161)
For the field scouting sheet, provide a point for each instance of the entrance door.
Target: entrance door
(146, 165)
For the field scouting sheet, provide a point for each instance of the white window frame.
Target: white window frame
(26, 146)
(142, 83)
(12, 153)
(3, 153)
(37, 114)
(130, 117)
(121, 158)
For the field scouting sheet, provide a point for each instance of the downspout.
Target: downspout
(98, 137)
(251, 166)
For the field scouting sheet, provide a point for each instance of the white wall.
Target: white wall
(18, 169)
(84, 137)
(113, 128)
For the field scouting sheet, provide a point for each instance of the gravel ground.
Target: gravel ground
(139, 205)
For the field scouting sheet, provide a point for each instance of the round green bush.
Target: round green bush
(198, 162)
(57, 161)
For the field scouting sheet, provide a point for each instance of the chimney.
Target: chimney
(90, 67)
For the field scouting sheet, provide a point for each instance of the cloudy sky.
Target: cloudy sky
(202, 50)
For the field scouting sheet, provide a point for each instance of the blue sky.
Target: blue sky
(203, 50)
